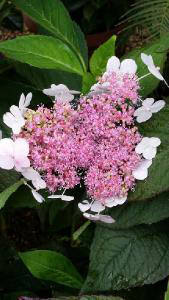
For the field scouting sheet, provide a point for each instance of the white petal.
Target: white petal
(74, 92)
(28, 99)
(49, 92)
(154, 70)
(39, 183)
(6, 162)
(97, 206)
(6, 147)
(22, 101)
(157, 106)
(37, 196)
(21, 163)
(145, 142)
(114, 201)
(143, 115)
(141, 172)
(128, 66)
(149, 153)
(67, 198)
(106, 219)
(29, 173)
(148, 102)
(113, 64)
(21, 148)
(147, 59)
(16, 127)
(91, 217)
(155, 142)
(0, 134)
(55, 197)
(62, 197)
(15, 111)
(84, 205)
(8, 119)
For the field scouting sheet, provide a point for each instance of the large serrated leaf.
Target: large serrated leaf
(123, 259)
(53, 266)
(140, 212)
(52, 15)
(42, 52)
(8, 192)
(158, 178)
(101, 55)
(158, 50)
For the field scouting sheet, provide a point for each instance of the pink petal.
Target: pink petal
(106, 219)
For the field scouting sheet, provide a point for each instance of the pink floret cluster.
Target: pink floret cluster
(94, 143)
(122, 87)
(111, 132)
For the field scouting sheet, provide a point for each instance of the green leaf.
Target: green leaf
(43, 78)
(123, 259)
(101, 55)
(53, 266)
(158, 178)
(42, 52)
(141, 212)
(167, 294)
(8, 192)
(88, 81)
(158, 50)
(54, 17)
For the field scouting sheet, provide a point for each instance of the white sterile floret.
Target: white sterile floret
(98, 217)
(148, 61)
(84, 205)
(34, 176)
(148, 147)
(97, 206)
(62, 197)
(61, 93)
(141, 172)
(24, 102)
(114, 201)
(14, 154)
(126, 66)
(14, 119)
(148, 107)
(99, 88)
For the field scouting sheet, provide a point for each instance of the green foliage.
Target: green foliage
(152, 15)
(141, 212)
(8, 192)
(121, 259)
(53, 266)
(158, 179)
(101, 55)
(88, 81)
(53, 16)
(167, 294)
(42, 52)
(158, 49)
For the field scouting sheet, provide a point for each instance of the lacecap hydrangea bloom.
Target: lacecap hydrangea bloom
(97, 142)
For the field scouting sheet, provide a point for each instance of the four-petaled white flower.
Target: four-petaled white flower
(126, 66)
(148, 147)
(14, 154)
(148, 107)
(99, 217)
(24, 102)
(141, 172)
(62, 197)
(148, 61)
(14, 119)
(61, 93)
(114, 201)
(34, 176)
